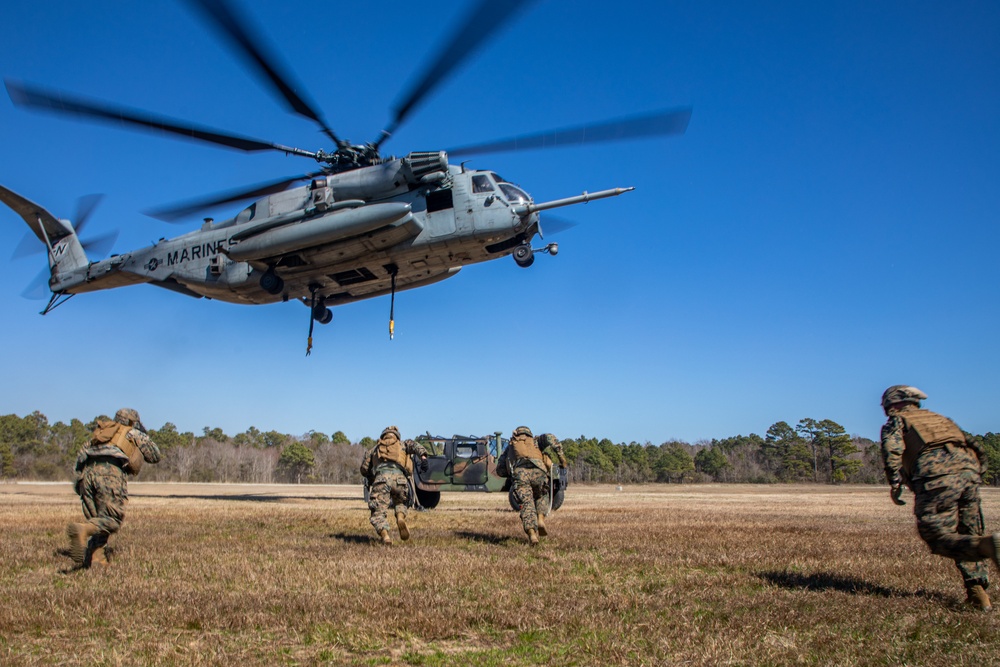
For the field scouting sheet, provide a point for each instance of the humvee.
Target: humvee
(468, 463)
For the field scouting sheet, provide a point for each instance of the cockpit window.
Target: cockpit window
(481, 183)
(247, 214)
(497, 177)
(514, 194)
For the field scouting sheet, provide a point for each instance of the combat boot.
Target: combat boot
(541, 525)
(79, 535)
(976, 596)
(532, 536)
(404, 532)
(384, 534)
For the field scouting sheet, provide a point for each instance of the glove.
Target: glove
(423, 465)
(896, 490)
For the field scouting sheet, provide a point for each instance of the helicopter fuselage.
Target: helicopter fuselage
(342, 237)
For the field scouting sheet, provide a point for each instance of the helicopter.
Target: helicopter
(361, 225)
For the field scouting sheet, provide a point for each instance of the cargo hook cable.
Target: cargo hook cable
(392, 303)
(312, 319)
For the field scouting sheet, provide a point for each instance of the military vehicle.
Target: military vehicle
(467, 463)
(363, 225)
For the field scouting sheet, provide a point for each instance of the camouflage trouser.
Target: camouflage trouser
(950, 521)
(104, 493)
(390, 489)
(531, 488)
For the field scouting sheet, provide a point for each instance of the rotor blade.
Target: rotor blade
(29, 245)
(84, 207)
(250, 46)
(556, 225)
(485, 19)
(177, 212)
(99, 246)
(32, 96)
(38, 287)
(674, 121)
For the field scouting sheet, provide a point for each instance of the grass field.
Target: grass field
(655, 575)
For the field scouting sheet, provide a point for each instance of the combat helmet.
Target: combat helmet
(390, 429)
(523, 430)
(901, 393)
(127, 416)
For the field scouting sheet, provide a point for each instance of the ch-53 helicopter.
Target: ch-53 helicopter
(362, 226)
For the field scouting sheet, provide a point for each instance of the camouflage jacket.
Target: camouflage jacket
(370, 463)
(546, 443)
(946, 460)
(150, 452)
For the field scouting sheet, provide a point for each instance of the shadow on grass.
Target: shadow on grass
(253, 497)
(73, 568)
(486, 538)
(825, 581)
(351, 538)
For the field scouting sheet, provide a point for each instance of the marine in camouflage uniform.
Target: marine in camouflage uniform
(531, 474)
(930, 453)
(388, 468)
(116, 450)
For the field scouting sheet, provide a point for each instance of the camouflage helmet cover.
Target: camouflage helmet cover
(901, 393)
(127, 416)
(390, 429)
(523, 430)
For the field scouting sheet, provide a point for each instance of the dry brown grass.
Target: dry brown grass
(678, 575)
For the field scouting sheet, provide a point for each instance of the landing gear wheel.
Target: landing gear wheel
(428, 499)
(322, 314)
(271, 282)
(524, 255)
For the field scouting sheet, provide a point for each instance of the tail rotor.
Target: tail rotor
(96, 246)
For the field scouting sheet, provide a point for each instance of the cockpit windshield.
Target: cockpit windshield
(514, 194)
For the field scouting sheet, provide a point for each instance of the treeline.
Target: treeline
(812, 451)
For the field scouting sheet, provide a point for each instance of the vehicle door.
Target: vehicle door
(438, 463)
(469, 462)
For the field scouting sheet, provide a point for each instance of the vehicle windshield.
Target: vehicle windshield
(433, 447)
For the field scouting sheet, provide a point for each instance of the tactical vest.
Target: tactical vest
(391, 450)
(923, 429)
(525, 447)
(116, 435)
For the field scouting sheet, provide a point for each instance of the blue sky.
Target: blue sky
(827, 226)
